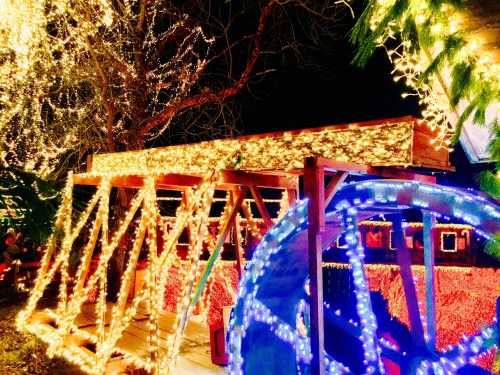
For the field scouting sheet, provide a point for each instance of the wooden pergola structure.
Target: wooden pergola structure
(96, 337)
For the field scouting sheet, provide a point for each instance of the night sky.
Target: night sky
(298, 98)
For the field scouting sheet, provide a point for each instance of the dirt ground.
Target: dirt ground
(22, 353)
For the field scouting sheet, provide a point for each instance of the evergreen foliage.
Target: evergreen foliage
(29, 203)
(493, 247)
(418, 24)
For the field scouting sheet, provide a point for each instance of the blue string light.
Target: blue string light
(441, 201)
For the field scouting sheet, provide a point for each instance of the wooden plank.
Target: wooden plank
(174, 181)
(424, 153)
(237, 237)
(235, 177)
(340, 166)
(334, 185)
(292, 196)
(167, 181)
(430, 277)
(404, 260)
(314, 191)
(195, 348)
(388, 172)
(261, 206)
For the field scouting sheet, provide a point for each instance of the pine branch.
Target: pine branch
(461, 82)
(489, 183)
(452, 46)
(368, 45)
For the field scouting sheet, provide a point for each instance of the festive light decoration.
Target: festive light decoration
(355, 253)
(459, 292)
(70, 56)
(386, 143)
(418, 225)
(194, 210)
(262, 274)
(438, 59)
(163, 266)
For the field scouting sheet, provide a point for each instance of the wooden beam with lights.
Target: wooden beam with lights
(315, 192)
(174, 181)
(261, 206)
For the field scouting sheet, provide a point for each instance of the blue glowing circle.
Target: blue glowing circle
(264, 337)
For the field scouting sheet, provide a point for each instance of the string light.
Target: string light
(379, 144)
(57, 324)
(67, 56)
(410, 63)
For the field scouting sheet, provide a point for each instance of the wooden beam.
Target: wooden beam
(261, 207)
(388, 172)
(282, 181)
(430, 277)
(340, 166)
(237, 234)
(292, 196)
(334, 186)
(314, 192)
(173, 181)
(170, 181)
(404, 260)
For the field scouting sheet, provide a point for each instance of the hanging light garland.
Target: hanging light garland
(436, 58)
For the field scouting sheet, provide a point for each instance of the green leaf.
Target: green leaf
(361, 28)
(368, 41)
(452, 46)
(493, 247)
(494, 146)
(490, 183)
(410, 33)
(461, 120)
(461, 82)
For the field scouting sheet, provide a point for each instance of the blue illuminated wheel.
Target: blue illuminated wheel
(268, 333)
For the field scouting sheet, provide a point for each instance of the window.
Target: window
(418, 240)
(374, 239)
(449, 242)
(408, 241)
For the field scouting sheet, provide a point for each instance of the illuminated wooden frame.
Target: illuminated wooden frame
(237, 166)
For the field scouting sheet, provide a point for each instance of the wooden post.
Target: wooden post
(237, 235)
(315, 192)
(430, 276)
(404, 260)
(261, 206)
(292, 197)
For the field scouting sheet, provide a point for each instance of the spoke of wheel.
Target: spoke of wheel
(404, 260)
(363, 303)
(430, 275)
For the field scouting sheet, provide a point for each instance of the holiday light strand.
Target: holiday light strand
(427, 34)
(353, 197)
(60, 61)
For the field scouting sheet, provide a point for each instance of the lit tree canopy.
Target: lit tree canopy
(106, 75)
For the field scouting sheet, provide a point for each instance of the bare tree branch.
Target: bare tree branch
(212, 97)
